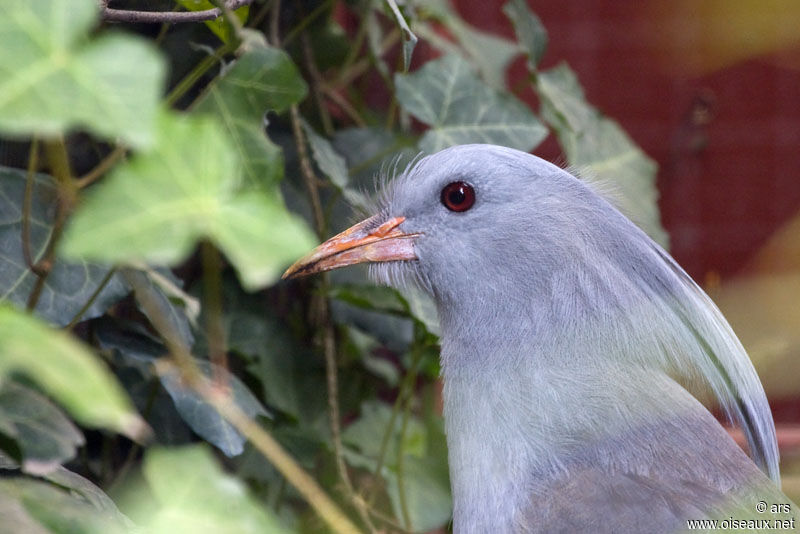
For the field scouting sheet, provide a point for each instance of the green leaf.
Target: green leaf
(175, 315)
(491, 54)
(447, 96)
(333, 165)
(67, 370)
(53, 78)
(378, 298)
(133, 351)
(70, 284)
(138, 350)
(218, 25)
(261, 80)
(191, 493)
(529, 30)
(204, 418)
(366, 433)
(36, 507)
(597, 145)
(409, 39)
(425, 480)
(426, 486)
(45, 436)
(156, 207)
(291, 376)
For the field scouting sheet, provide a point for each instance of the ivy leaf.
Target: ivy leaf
(489, 53)
(140, 351)
(191, 493)
(529, 30)
(409, 39)
(204, 418)
(334, 166)
(67, 370)
(262, 79)
(155, 207)
(53, 78)
(426, 485)
(599, 146)
(447, 96)
(38, 507)
(70, 284)
(45, 436)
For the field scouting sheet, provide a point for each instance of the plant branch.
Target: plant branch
(308, 19)
(58, 160)
(98, 171)
(220, 399)
(401, 453)
(308, 172)
(406, 388)
(316, 82)
(167, 17)
(33, 163)
(196, 73)
(342, 102)
(212, 289)
(275, 24)
(88, 304)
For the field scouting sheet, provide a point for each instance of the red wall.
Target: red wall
(727, 140)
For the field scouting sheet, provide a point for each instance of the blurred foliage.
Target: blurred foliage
(154, 182)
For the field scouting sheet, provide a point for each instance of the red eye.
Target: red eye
(458, 196)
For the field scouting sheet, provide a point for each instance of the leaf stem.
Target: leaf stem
(212, 295)
(101, 168)
(196, 73)
(88, 304)
(401, 486)
(308, 19)
(405, 391)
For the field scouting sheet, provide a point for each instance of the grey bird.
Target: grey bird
(571, 344)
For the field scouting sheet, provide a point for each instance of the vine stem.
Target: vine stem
(182, 361)
(58, 160)
(33, 163)
(103, 167)
(403, 398)
(88, 304)
(212, 294)
(167, 17)
(196, 73)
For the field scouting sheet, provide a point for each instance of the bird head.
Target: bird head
(467, 222)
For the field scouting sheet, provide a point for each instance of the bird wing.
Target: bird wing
(724, 364)
(693, 471)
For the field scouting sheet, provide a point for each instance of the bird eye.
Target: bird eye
(458, 196)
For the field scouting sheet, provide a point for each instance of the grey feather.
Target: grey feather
(565, 334)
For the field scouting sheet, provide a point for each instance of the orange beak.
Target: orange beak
(367, 241)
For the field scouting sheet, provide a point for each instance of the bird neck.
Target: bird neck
(510, 434)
